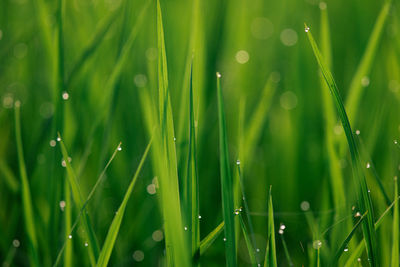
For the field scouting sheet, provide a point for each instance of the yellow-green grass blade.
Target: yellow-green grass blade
(226, 182)
(270, 253)
(178, 252)
(346, 241)
(364, 67)
(210, 238)
(247, 239)
(395, 231)
(192, 183)
(8, 177)
(363, 196)
(330, 120)
(67, 223)
(360, 247)
(89, 197)
(29, 218)
(113, 231)
(92, 46)
(93, 250)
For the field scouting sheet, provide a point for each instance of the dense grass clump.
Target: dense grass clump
(199, 133)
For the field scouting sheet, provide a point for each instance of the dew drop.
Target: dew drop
(62, 205)
(238, 162)
(307, 29)
(185, 228)
(224, 239)
(52, 143)
(365, 81)
(151, 189)
(119, 148)
(58, 139)
(282, 227)
(305, 206)
(280, 231)
(317, 244)
(219, 75)
(322, 5)
(157, 235)
(199, 216)
(63, 163)
(358, 132)
(70, 236)
(395, 142)
(16, 243)
(86, 244)
(346, 249)
(368, 165)
(138, 255)
(65, 95)
(258, 250)
(358, 214)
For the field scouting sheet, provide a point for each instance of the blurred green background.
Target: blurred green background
(249, 43)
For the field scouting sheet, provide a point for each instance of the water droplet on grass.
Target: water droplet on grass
(86, 244)
(317, 244)
(53, 143)
(65, 95)
(70, 236)
(16, 243)
(368, 165)
(365, 81)
(119, 148)
(307, 29)
(138, 255)
(358, 132)
(238, 162)
(305, 206)
(58, 139)
(219, 75)
(346, 249)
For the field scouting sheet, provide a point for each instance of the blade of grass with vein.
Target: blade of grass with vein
(177, 251)
(93, 250)
(346, 241)
(247, 239)
(226, 182)
(113, 231)
(210, 238)
(92, 46)
(364, 67)
(270, 253)
(361, 184)
(192, 183)
(358, 251)
(29, 219)
(395, 231)
(330, 119)
(89, 197)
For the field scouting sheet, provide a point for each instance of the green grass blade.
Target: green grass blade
(286, 250)
(29, 218)
(247, 239)
(89, 197)
(226, 182)
(113, 231)
(364, 67)
(67, 223)
(78, 200)
(361, 185)
(346, 241)
(395, 231)
(8, 177)
(210, 238)
(270, 253)
(92, 46)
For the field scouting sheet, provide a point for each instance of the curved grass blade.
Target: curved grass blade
(93, 250)
(247, 239)
(89, 197)
(395, 231)
(226, 182)
(270, 253)
(210, 238)
(346, 241)
(363, 196)
(113, 231)
(29, 218)
(364, 67)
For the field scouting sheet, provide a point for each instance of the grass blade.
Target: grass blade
(112, 234)
(345, 243)
(93, 250)
(226, 182)
(395, 231)
(247, 239)
(29, 218)
(270, 253)
(361, 184)
(210, 238)
(8, 176)
(365, 64)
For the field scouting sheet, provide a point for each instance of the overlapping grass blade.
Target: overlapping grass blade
(29, 218)
(210, 238)
(113, 231)
(270, 253)
(395, 231)
(247, 239)
(93, 250)
(364, 67)
(346, 241)
(361, 185)
(226, 182)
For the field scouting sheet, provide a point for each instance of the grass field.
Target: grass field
(199, 133)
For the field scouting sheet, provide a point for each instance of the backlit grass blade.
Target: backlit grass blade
(358, 251)
(363, 196)
(247, 239)
(270, 253)
(395, 231)
(29, 218)
(178, 253)
(92, 46)
(226, 182)
(192, 184)
(100, 179)
(364, 67)
(345, 243)
(93, 250)
(210, 238)
(112, 234)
